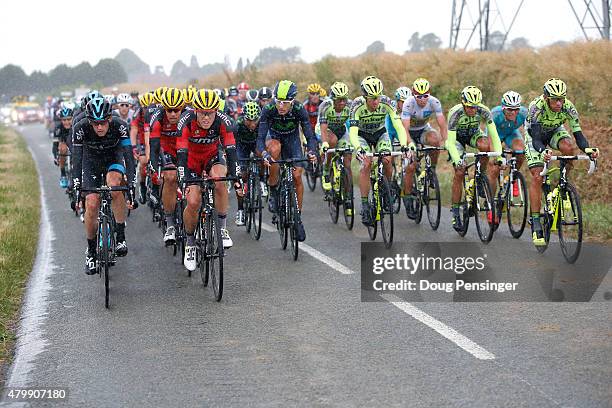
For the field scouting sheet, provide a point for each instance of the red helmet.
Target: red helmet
(243, 86)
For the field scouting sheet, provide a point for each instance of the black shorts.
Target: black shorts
(96, 164)
(244, 151)
(291, 148)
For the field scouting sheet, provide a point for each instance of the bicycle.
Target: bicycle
(477, 199)
(426, 188)
(341, 193)
(209, 242)
(105, 237)
(314, 171)
(287, 216)
(380, 200)
(70, 192)
(396, 181)
(516, 206)
(561, 208)
(253, 202)
(154, 202)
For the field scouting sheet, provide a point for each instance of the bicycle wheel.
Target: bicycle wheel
(570, 223)
(256, 207)
(464, 212)
(395, 196)
(283, 211)
(517, 207)
(293, 218)
(200, 237)
(417, 199)
(106, 233)
(333, 204)
(311, 175)
(386, 211)
(373, 204)
(346, 192)
(432, 201)
(545, 219)
(214, 254)
(484, 209)
(247, 201)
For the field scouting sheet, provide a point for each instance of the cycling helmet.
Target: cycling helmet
(511, 99)
(420, 86)
(173, 99)
(110, 98)
(322, 93)
(265, 93)
(206, 99)
(402, 93)
(233, 91)
(285, 90)
(188, 94)
(123, 98)
(159, 92)
(555, 88)
(252, 95)
(134, 94)
(339, 90)
(251, 110)
(99, 109)
(243, 86)
(371, 86)
(220, 92)
(89, 97)
(146, 99)
(65, 111)
(314, 89)
(471, 96)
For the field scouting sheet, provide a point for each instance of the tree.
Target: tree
(375, 48)
(519, 42)
(108, 72)
(272, 55)
(194, 62)
(13, 80)
(239, 66)
(61, 75)
(430, 41)
(39, 82)
(496, 39)
(82, 73)
(415, 43)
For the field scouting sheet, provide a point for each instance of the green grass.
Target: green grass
(597, 220)
(19, 222)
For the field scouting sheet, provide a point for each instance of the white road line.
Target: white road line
(446, 331)
(406, 307)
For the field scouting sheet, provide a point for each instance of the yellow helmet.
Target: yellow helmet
(420, 86)
(159, 92)
(471, 96)
(173, 99)
(555, 88)
(314, 88)
(339, 90)
(371, 86)
(206, 99)
(146, 99)
(322, 93)
(188, 94)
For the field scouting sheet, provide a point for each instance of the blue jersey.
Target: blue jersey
(508, 130)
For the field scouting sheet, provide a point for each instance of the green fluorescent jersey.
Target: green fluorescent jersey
(539, 112)
(336, 122)
(371, 125)
(462, 128)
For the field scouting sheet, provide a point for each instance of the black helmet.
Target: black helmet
(265, 93)
(99, 109)
(89, 97)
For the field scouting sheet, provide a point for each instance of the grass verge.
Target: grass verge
(19, 223)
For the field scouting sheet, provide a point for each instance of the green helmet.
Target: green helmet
(339, 90)
(555, 88)
(371, 86)
(285, 90)
(471, 96)
(251, 110)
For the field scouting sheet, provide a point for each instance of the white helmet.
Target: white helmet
(511, 99)
(124, 98)
(402, 93)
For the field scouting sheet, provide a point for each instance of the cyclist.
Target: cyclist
(401, 94)
(101, 145)
(188, 94)
(545, 119)
(416, 114)
(243, 88)
(232, 102)
(245, 133)
(312, 103)
(279, 138)
(139, 127)
(164, 133)
(124, 107)
(509, 118)
(61, 134)
(265, 96)
(204, 134)
(333, 115)
(367, 130)
(252, 95)
(464, 122)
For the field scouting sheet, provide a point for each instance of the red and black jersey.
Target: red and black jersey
(161, 129)
(313, 112)
(141, 120)
(201, 144)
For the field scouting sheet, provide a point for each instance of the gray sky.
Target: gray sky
(42, 34)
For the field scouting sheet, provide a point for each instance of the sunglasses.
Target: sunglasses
(314, 94)
(173, 110)
(67, 119)
(512, 109)
(98, 122)
(425, 96)
(124, 105)
(556, 100)
(206, 113)
(372, 98)
(283, 103)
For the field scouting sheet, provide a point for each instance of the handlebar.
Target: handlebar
(383, 154)
(105, 189)
(423, 148)
(339, 150)
(592, 164)
(482, 154)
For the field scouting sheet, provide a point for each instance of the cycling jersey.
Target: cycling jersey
(371, 125)
(542, 123)
(196, 146)
(61, 133)
(420, 116)
(243, 134)
(464, 130)
(285, 128)
(127, 119)
(163, 130)
(313, 111)
(336, 121)
(141, 120)
(508, 130)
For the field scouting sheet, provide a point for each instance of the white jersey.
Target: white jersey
(130, 115)
(420, 116)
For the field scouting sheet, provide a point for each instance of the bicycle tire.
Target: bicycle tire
(484, 228)
(311, 176)
(570, 252)
(247, 205)
(464, 212)
(105, 259)
(417, 200)
(214, 254)
(372, 203)
(433, 211)
(348, 205)
(293, 223)
(282, 217)
(256, 210)
(515, 231)
(386, 211)
(200, 238)
(333, 204)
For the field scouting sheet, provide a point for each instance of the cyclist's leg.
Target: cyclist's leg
(459, 173)
(344, 143)
(562, 141)
(170, 185)
(432, 138)
(384, 145)
(416, 136)
(273, 146)
(364, 171)
(518, 144)
(194, 200)
(93, 167)
(291, 148)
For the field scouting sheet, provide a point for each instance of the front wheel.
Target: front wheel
(311, 176)
(483, 209)
(570, 223)
(386, 211)
(346, 190)
(433, 204)
(214, 254)
(517, 206)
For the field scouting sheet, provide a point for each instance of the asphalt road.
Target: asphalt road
(294, 333)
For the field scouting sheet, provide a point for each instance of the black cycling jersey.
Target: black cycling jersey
(285, 126)
(243, 134)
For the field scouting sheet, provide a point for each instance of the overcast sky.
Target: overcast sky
(40, 35)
